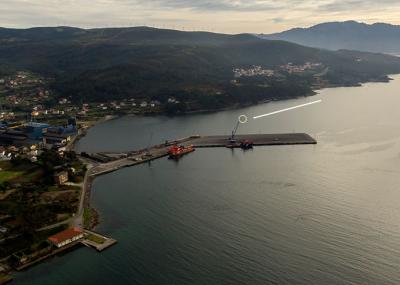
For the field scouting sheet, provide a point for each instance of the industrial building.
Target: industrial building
(56, 139)
(34, 133)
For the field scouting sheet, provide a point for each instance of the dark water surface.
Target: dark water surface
(324, 214)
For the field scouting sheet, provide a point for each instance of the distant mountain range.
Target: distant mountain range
(147, 63)
(351, 35)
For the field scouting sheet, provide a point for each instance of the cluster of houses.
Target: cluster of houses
(32, 137)
(26, 88)
(20, 79)
(41, 111)
(253, 71)
(259, 71)
(66, 108)
(37, 95)
(115, 105)
(132, 103)
(291, 68)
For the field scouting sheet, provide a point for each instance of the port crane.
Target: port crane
(243, 118)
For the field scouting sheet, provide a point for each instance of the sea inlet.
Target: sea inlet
(313, 214)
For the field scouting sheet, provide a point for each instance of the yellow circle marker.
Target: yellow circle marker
(243, 119)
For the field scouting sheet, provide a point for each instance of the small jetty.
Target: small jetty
(97, 241)
(63, 242)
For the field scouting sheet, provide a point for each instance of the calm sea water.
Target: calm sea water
(324, 214)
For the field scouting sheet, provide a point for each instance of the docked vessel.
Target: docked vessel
(246, 144)
(176, 152)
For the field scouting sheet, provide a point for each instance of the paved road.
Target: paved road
(86, 185)
(66, 222)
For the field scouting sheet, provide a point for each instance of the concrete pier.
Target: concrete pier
(257, 139)
(97, 241)
(115, 161)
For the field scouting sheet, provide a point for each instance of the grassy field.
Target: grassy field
(21, 174)
(31, 200)
(87, 215)
(6, 175)
(96, 239)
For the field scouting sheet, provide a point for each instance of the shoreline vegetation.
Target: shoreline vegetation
(26, 245)
(312, 92)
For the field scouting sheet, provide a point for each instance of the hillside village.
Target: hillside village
(290, 68)
(25, 96)
(28, 95)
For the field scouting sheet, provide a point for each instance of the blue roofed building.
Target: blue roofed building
(35, 131)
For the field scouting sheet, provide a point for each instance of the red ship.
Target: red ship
(176, 152)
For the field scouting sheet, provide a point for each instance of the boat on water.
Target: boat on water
(177, 152)
(246, 144)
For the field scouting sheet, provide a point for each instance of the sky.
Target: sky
(225, 16)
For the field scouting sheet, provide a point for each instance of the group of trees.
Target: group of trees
(26, 203)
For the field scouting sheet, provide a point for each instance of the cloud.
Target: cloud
(365, 5)
(232, 16)
(278, 20)
(222, 5)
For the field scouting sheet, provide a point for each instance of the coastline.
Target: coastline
(236, 106)
(88, 183)
(81, 134)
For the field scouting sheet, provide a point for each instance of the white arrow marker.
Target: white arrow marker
(287, 109)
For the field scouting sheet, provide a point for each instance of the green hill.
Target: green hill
(197, 67)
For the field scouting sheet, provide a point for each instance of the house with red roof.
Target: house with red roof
(66, 237)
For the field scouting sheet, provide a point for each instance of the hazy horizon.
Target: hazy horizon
(222, 16)
(177, 28)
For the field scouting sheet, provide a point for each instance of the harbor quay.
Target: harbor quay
(106, 162)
